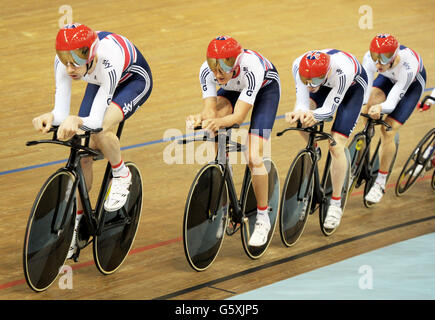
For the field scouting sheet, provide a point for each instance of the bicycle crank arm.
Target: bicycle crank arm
(246, 223)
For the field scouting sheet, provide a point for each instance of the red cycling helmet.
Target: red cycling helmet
(76, 44)
(224, 51)
(383, 48)
(314, 67)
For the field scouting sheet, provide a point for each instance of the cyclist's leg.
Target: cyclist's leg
(395, 119)
(262, 120)
(86, 164)
(226, 100)
(338, 162)
(128, 97)
(347, 116)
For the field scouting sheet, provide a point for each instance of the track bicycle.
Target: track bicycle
(51, 222)
(303, 192)
(213, 209)
(364, 164)
(419, 161)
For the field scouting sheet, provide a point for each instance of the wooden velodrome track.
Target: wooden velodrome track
(173, 36)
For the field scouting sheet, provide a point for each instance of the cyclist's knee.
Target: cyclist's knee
(336, 150)
(86, 162)
(340, 143)
(223, 107)
(257, 167)
(390, 134)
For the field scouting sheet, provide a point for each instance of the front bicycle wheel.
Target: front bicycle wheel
(249, 208)
(297, 194)
(49, 230)
(205, 219)
(327, 188)
(416, 164)
(118, 232)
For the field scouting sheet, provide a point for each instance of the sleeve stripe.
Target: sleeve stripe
(251, 81)
(113, 82)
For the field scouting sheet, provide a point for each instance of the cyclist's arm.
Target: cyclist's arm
(302, 93)
(334, 98)
(62, 96)
(241, 110)
(398, 90)
(370, 69)
(253, 80)
(109, 81)
(209, 93)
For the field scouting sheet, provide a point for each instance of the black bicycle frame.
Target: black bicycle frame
(77, 152)
(227, 178)
(368, 132)
(314, 136)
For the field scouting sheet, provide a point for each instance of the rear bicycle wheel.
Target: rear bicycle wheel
(113, 244)
(204, 229)
(249, 207)
(327, 187)
(416, 164)
(297, 194)
(49, 230)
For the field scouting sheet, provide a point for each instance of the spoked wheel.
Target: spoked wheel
(118, 232)
(327, 187)
(297, 194)
(417, 163)
(205, 219)
(49, 230)
(356, 151)
(249, 207)
(375, 169)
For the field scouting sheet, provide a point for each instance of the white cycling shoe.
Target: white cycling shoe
(118, 193)
(375, 194)
(333, 217)
(261, 231)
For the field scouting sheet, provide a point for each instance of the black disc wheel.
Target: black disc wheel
(249, 207)
(49, 230)
(297, 194)
(118, 228)
(205, 217)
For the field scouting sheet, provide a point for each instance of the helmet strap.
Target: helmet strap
(89, 66)
(236, 71)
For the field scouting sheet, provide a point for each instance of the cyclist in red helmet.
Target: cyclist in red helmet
(247, 81)
(395, 92)
(330, 82)
(119, 81)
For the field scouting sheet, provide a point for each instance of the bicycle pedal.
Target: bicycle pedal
(232, 228)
